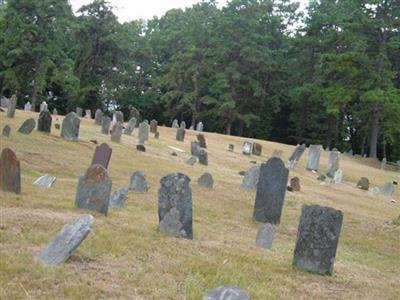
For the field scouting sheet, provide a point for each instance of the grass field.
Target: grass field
(126, 257)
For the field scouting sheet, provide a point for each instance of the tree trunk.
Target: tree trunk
(374, 132)
(34, 96)
(228, 127)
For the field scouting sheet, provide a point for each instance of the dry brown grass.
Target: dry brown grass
(126, 257)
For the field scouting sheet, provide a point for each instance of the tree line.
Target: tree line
(328, 75)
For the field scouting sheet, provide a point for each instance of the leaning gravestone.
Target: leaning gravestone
(130, 127)
(118, 198)
(119, 116)
(227, 293)
(98, 116)
(70, 127)
(265, 236)
(337, 177)
(271, 189)
(94, 189)
(180, 134)
(45, 180)
(6, 131)
(317, 239)
(295, 184)
(105, 124)
(194, 148)
(143, 132)
(11, 106)
(27, 106)
(88, 114)
(333, 163)
(139, 182)
(102, 155)
(247, 148)
(206, 180)
(296, 155)
(202, 140)
(116, 132)
(28, 126)
(203, 157)
(175, 124)
(257, 149)
(66, 241)
(363, 183)
(314, 153)
(175, 205)
(44, 122)
(10, 172)
(79, 112)
(250, 179)
(153, 126)
(191, 160)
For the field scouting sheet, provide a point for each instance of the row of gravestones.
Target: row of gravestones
(44, 125)
(199, 126)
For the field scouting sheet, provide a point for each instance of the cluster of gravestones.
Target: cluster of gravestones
(175, 124)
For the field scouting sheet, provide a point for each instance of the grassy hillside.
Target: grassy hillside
(126, 257)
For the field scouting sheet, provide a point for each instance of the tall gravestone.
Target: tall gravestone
(153, 126)
(55, 112)
(333, 163)
(43, 106)
(139, 182)
(12, 103)
(10, 172)
(202, 140)
(200, 126)
(98, 116)
(102, 155)
(143, 132)
(317, 239)
(131, 126)
(296, 155)
(271, 189)
(116, 132)
(44, 122)
(105, 124)
(94, 190)
(70, 127)
(175, 205)
(28, 126)
(180, 134)
(314, 153)
(6, 131)
(337, 177)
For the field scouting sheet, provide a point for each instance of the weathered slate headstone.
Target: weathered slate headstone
(338, 177)
(116, 132)
(43, 106)
(180, 134)
(66, 241)
(257, 149)
(105, 125)
(202, 140)
(94, 189)
(183, 125)
(10, 172)
(98, 116)
(143, 132)
(295, 184)
(28, 126)
(363, 183)
(44, 122)
(88, 114)
(27, 106)
(6, 131)
(139, 182)
(227, 293)
(231, 147)
(317, 239)
(175, 124)
(265, 236)
(271, 189)
(70, 127)
(79, 112)
(194, 148)
(102, 155)
(153, 126)
(200, 126)
(175, 205)
(247, 146)
(296, 155)
(12, 103)
(45, 180)
(250, 179)
(203, 157)
(119, 116)
(333, 163)
(314, 153)
(191, 160)
(206, 180)
(118, 198)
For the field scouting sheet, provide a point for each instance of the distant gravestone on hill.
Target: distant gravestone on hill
(247, 147)
(337, 177)
(250, 179)
(227, 293)
(44, 122)
(102, 155)
(203, 157)
(383, 163)
(143, 132)
(28, 126)
(70, 127)
(175, 211)
(153, 126)
(180, 134)
(194, 148)
(200, 126)
(6, 131)
(317, 239)
(333, 163)
(10, 172)
(66, 241)
(116, 132)
(119, 116)
(105, 125)
(257, 149)
(175, 124)
(265, 236)
(88, 114)
(43, 106)
(206, 180)
(296, 155)
(79, 112)
(202, 140)
(139, 182)
(314, 153)
(271, 189)
(98, 116)
(363, 183)
(94, 190)
(118, 198)
(12, 103)
(28, 106)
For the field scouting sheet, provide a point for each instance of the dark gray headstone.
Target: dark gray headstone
(183, 125)
(88, 114)
(180, 134)
(321, 177)
(317, 239)
(250, 179)
(191, 160)
(11, 106)
(257, 149)
(102, 155)
(105, 125)
(227, 293)
(44, 122)
(10, 172)
(203, 157)
(265, 236)
(333, 163)
(143, 132)
(45, 180)
(295, 184)
(28, 126)
(206, 180)
(202, 140)
(6, 131)
(118, 198)
(57, 126)
(153, 126)
(175, 205)
(363, 183)
(271, 189)
(194, 148)
(139, 182)
(98, 116)
(130, 127)
(314, 153)
(295, 157)
(116, 132)
(70, 127)
(66, 241)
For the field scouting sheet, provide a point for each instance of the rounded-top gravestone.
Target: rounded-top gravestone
(28, 126)
(139, 182)
(206, 180)
(70, 127)
(6, 131)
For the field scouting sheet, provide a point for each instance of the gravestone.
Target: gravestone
(175, 205)
(44, 121)
(194, 148)
(257, 149)
(88, 114)
(206, 180)
(43, 106)
(157, 135)
(338, 177)
(271, 189)
(6, 131)
(191, 127)
(183, 125)
(27, 106)
(203, 157)
(202, 140)
(175, 124)
(55, 112)
(105, 124)
(383, 163)
(98, 116)
(227, 293)
(70, 127)
(363, 183)
(247, 147)
(333, 163)
(317, 239)
(153, 126)
(12, 103)
(28, 126)
(295, 184)
(130, 127)
(180, 134)
(102, 155)
(116, 132)
(79, 112)
(94, 189)
(191, 160)
(296, 155)
(314, 153)
(250, 179)
(139, 182)
(134, 113)
(231, 147)
(119, 116)
(66, 241)
(118, 198)
(10, 172)
(265, 236)
(200, 126)
(387, 189)
(45, 180)
(143, 132)
(3, 102)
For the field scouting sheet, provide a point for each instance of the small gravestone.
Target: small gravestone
(175, 124)
(139, 182)
(119, 116)
(88, 114)
(10, 172)
(43, 106)
(79, 112)
(321, 177)
(118, 198)
(55, 112)
(141, 148)
(202, 140)
(102, 155)
(200, 126)
(333, 163)
(45, 180)
(314, 153)
(227, 293)
(116, 132)
(231, 147)
(317, 239)
(28, 126)
(66, 241)
(383, 163)
(250, 179)
(12, 103)
(143, 132)
(387, 189)
(257, 149)
(206, 180)
(191, 160)
(265, 236)
(183, 125)
(295, 184)
(94, 189)
(271, 189)
(44, 122)
(247, 146)
(105, 125)
(6, 131)
(153, 126)
(175, 212)
(27, 106)
(363, 183)
(157, 135)
(130, 127)
(203, 157)
(337, 177)
(134, 113)
(194, 148)
(70, 127)
(296, 155)
(98, 116)
(180, 134)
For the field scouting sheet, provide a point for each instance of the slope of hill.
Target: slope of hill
(125, 256)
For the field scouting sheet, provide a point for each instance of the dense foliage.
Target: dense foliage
(261, 68)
